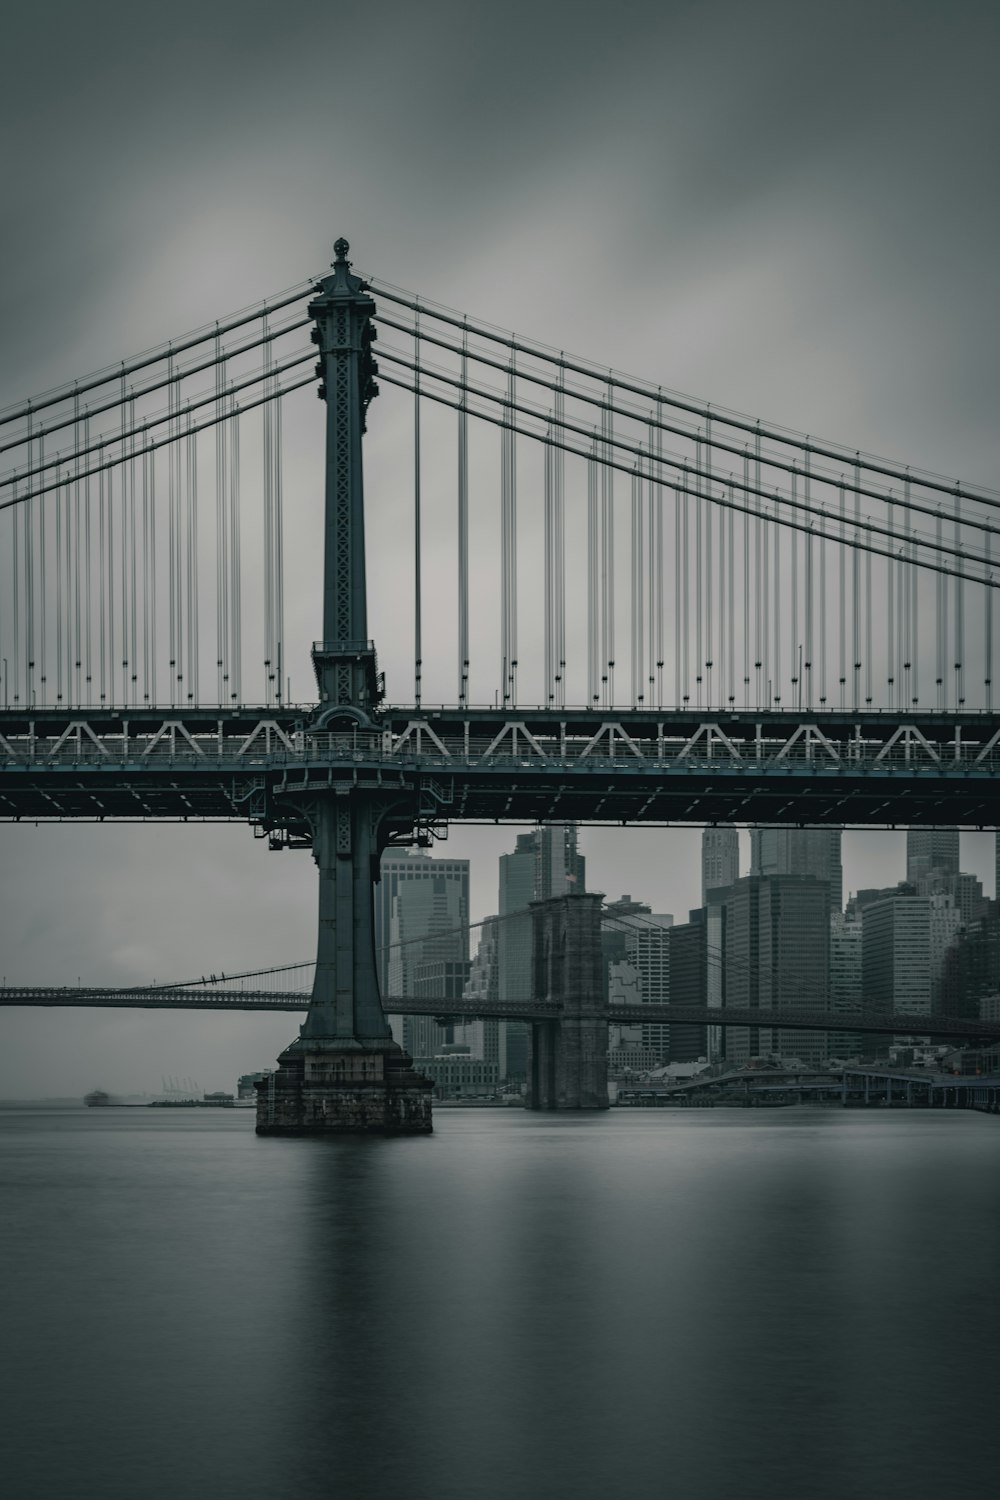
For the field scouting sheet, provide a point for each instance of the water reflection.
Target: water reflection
(643, 1304)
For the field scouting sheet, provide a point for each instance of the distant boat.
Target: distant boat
(96, 1097)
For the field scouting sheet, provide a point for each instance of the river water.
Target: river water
(795, 1302)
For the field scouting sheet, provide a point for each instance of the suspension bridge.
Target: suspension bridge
(619, 604)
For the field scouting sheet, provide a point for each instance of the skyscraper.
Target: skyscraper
(800, 851)
(777, 956)
(896, 953)
(845, 980)
(720, 859)
(688, 945)
(421, 937)
(647, 954)
(930, 853)
(543, 863)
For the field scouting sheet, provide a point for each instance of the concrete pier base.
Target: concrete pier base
(326, 1089)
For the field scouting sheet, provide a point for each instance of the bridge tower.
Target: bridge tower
(568, 1067)
(345, 1073)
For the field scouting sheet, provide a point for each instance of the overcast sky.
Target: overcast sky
(786, 208)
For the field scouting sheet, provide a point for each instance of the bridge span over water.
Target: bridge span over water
(674, 613)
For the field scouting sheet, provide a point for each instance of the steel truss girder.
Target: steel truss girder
(873, 770)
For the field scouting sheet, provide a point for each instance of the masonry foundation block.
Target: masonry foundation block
(330, 1090)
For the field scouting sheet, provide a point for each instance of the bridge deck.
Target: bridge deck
(636, 766)
(205, 998)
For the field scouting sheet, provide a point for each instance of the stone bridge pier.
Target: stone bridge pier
(568, 1065)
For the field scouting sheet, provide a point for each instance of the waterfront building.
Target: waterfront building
(458, 1075)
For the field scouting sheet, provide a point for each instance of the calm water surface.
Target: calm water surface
(791, 1303)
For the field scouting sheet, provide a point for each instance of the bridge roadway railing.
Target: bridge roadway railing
(205, 997)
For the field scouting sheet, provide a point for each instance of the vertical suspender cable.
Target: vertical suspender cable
(152, 577)
(173, 454)
(463, 527)
(707, 508)
(942, 625)
(776, 608)
(15, 595)
(593, 575)
(608, 549)
(698, 572)
(221, 532)
(824, 552)
(637, 610)
(794, 635)
(42, 589)
(559, 489)
(88, 574)
(658, 561)
(417, 600)
(145, 578)
(548, 672)
(278, 561)
(653, 568)
(745, 522)
(29, 588)
(988, 629)
(109, 503)
(759, 549)
(686, 596)
(868, 628)
(809, 563)
(959, 611)
(914, 573)
(101, 599)
(267, 460)
(856, 595)
(890, 611)
(59, 593)
(77, 567)
(842, 562)
(133, 576)
(678, 603)
(731, 602)
(192, 567)
(235, 564)
(511, 691)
